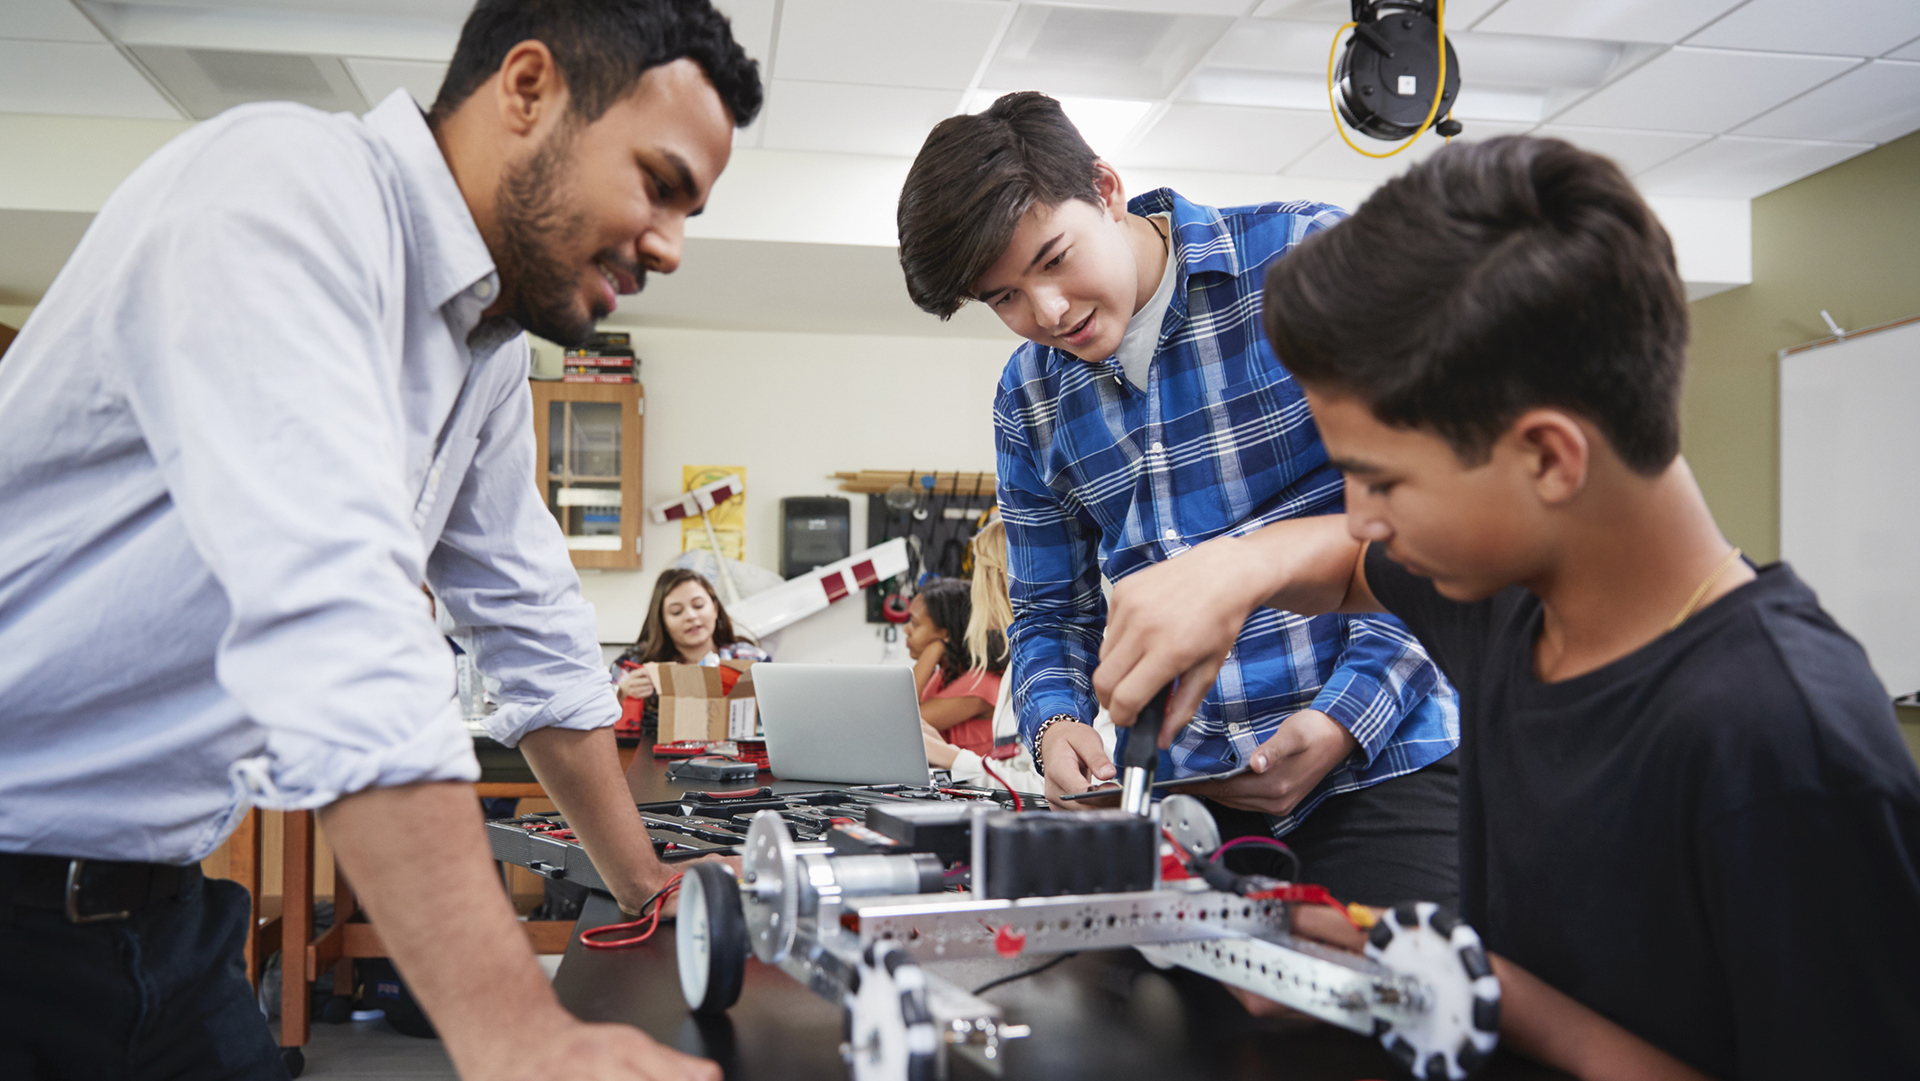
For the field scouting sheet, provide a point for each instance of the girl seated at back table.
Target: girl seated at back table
(991, 615)
(957, 689)
(686, 624)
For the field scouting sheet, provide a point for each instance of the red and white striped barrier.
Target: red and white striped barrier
(782, 606)
(699, 501)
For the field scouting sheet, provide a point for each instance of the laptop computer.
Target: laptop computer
(848, 723)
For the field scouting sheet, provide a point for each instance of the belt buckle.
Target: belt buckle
(73, 898)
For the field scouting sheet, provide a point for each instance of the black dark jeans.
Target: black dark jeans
(1395, 841)
(161, 995)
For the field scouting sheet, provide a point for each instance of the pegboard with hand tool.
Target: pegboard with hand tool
(938, 512)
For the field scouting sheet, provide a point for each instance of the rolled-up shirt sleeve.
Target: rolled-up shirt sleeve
(1382, 675)
(503, 572)
(271, 405)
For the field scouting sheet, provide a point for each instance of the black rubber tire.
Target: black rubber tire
(727, 935)
(294, 1059)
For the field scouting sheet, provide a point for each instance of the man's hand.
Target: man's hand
(583, 1052)
(658, 881)
(1306, 747)
(1075, 759)
(1174, 620)
(636, 683)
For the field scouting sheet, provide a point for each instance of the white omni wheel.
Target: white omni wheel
(710, 939)
(1457, 1032)
(890, 1031)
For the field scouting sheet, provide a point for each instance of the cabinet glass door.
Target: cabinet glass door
(583, 472)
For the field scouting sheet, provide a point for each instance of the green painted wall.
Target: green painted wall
(1847, 240)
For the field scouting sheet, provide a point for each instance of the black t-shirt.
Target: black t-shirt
(1713, 841)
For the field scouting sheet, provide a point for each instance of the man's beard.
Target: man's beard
(536, 219)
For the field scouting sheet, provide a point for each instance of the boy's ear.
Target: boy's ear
(1113, 193)
(1555, 451)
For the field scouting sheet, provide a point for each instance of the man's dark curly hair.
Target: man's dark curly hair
(602, 48)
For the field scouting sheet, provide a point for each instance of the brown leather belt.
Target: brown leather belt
(91, 891)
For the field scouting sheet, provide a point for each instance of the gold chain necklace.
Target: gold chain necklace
(1704, 586)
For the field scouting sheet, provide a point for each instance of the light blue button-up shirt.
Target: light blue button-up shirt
(254, 413)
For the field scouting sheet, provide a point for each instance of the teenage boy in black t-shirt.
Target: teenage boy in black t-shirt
(1689, 827)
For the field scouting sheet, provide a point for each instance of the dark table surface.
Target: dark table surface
(1099, 1016)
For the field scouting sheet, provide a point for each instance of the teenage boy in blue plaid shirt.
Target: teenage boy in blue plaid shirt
(1147, 416)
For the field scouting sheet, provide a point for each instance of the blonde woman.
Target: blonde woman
(986, 646)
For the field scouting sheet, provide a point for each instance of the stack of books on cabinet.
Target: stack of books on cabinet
(604, 358)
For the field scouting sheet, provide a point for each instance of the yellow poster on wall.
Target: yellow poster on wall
(729, 519)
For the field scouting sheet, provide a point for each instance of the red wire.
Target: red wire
(651, 917)
(1003, 784)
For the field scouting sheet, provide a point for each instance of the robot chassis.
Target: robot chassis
(855, 919)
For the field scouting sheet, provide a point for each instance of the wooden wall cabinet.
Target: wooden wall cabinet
(588, 437)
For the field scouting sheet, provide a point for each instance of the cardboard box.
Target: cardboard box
(692, 705)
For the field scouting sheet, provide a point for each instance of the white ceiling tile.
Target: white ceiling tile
(924, 43)
(1229, 8)
(1275, 45)
(847, 119)
(1713, 90)
(1333, 159)
(46, 20)
(1634, 151)
(1848, 27)
(1909, 51)
(378, 78)
(1878, 102)
(1227, 139)
(1461, 14)
(1737, 167)
(752, 26)
(1663, 21)
(71, 79)
(1518, 60)
(1097, 53)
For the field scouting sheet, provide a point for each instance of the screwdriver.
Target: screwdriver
(1143, 753)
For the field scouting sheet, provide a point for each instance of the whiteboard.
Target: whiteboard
(1850, 489)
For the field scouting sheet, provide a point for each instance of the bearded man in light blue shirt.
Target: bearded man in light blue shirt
(279, 386)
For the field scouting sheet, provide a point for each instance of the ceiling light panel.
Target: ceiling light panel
(848, 119)
(1661, 21)
(935, 44)
(1275, 45)
(1089, 52)
(1878, 102)
(1275, 90)
(71, 79)
(1634, 151)
(1229, 140)
(47, 20)
(1711, 90)
(295, 32)
(1846, 27)
(208, 82)
(1333, 159)
(379, 78)
(1736, 167)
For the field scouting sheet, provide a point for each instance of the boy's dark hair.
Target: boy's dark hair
(1490, 279)
(975, 177)
(949, 604)
(602, 48)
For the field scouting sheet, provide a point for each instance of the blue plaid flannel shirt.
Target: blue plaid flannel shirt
(1098, 476)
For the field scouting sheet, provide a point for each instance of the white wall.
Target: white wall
(793, 409)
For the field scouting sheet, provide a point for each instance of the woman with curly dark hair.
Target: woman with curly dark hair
(957, 690)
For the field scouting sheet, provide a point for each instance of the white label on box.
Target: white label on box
(742, 715)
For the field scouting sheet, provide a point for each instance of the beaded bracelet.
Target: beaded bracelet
(1040, 735)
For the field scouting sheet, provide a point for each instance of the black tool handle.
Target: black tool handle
(1143, 746)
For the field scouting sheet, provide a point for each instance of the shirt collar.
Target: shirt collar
(447, 250)
(1200, 234)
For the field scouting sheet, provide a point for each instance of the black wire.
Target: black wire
(1022, 974)
(1293, 858)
